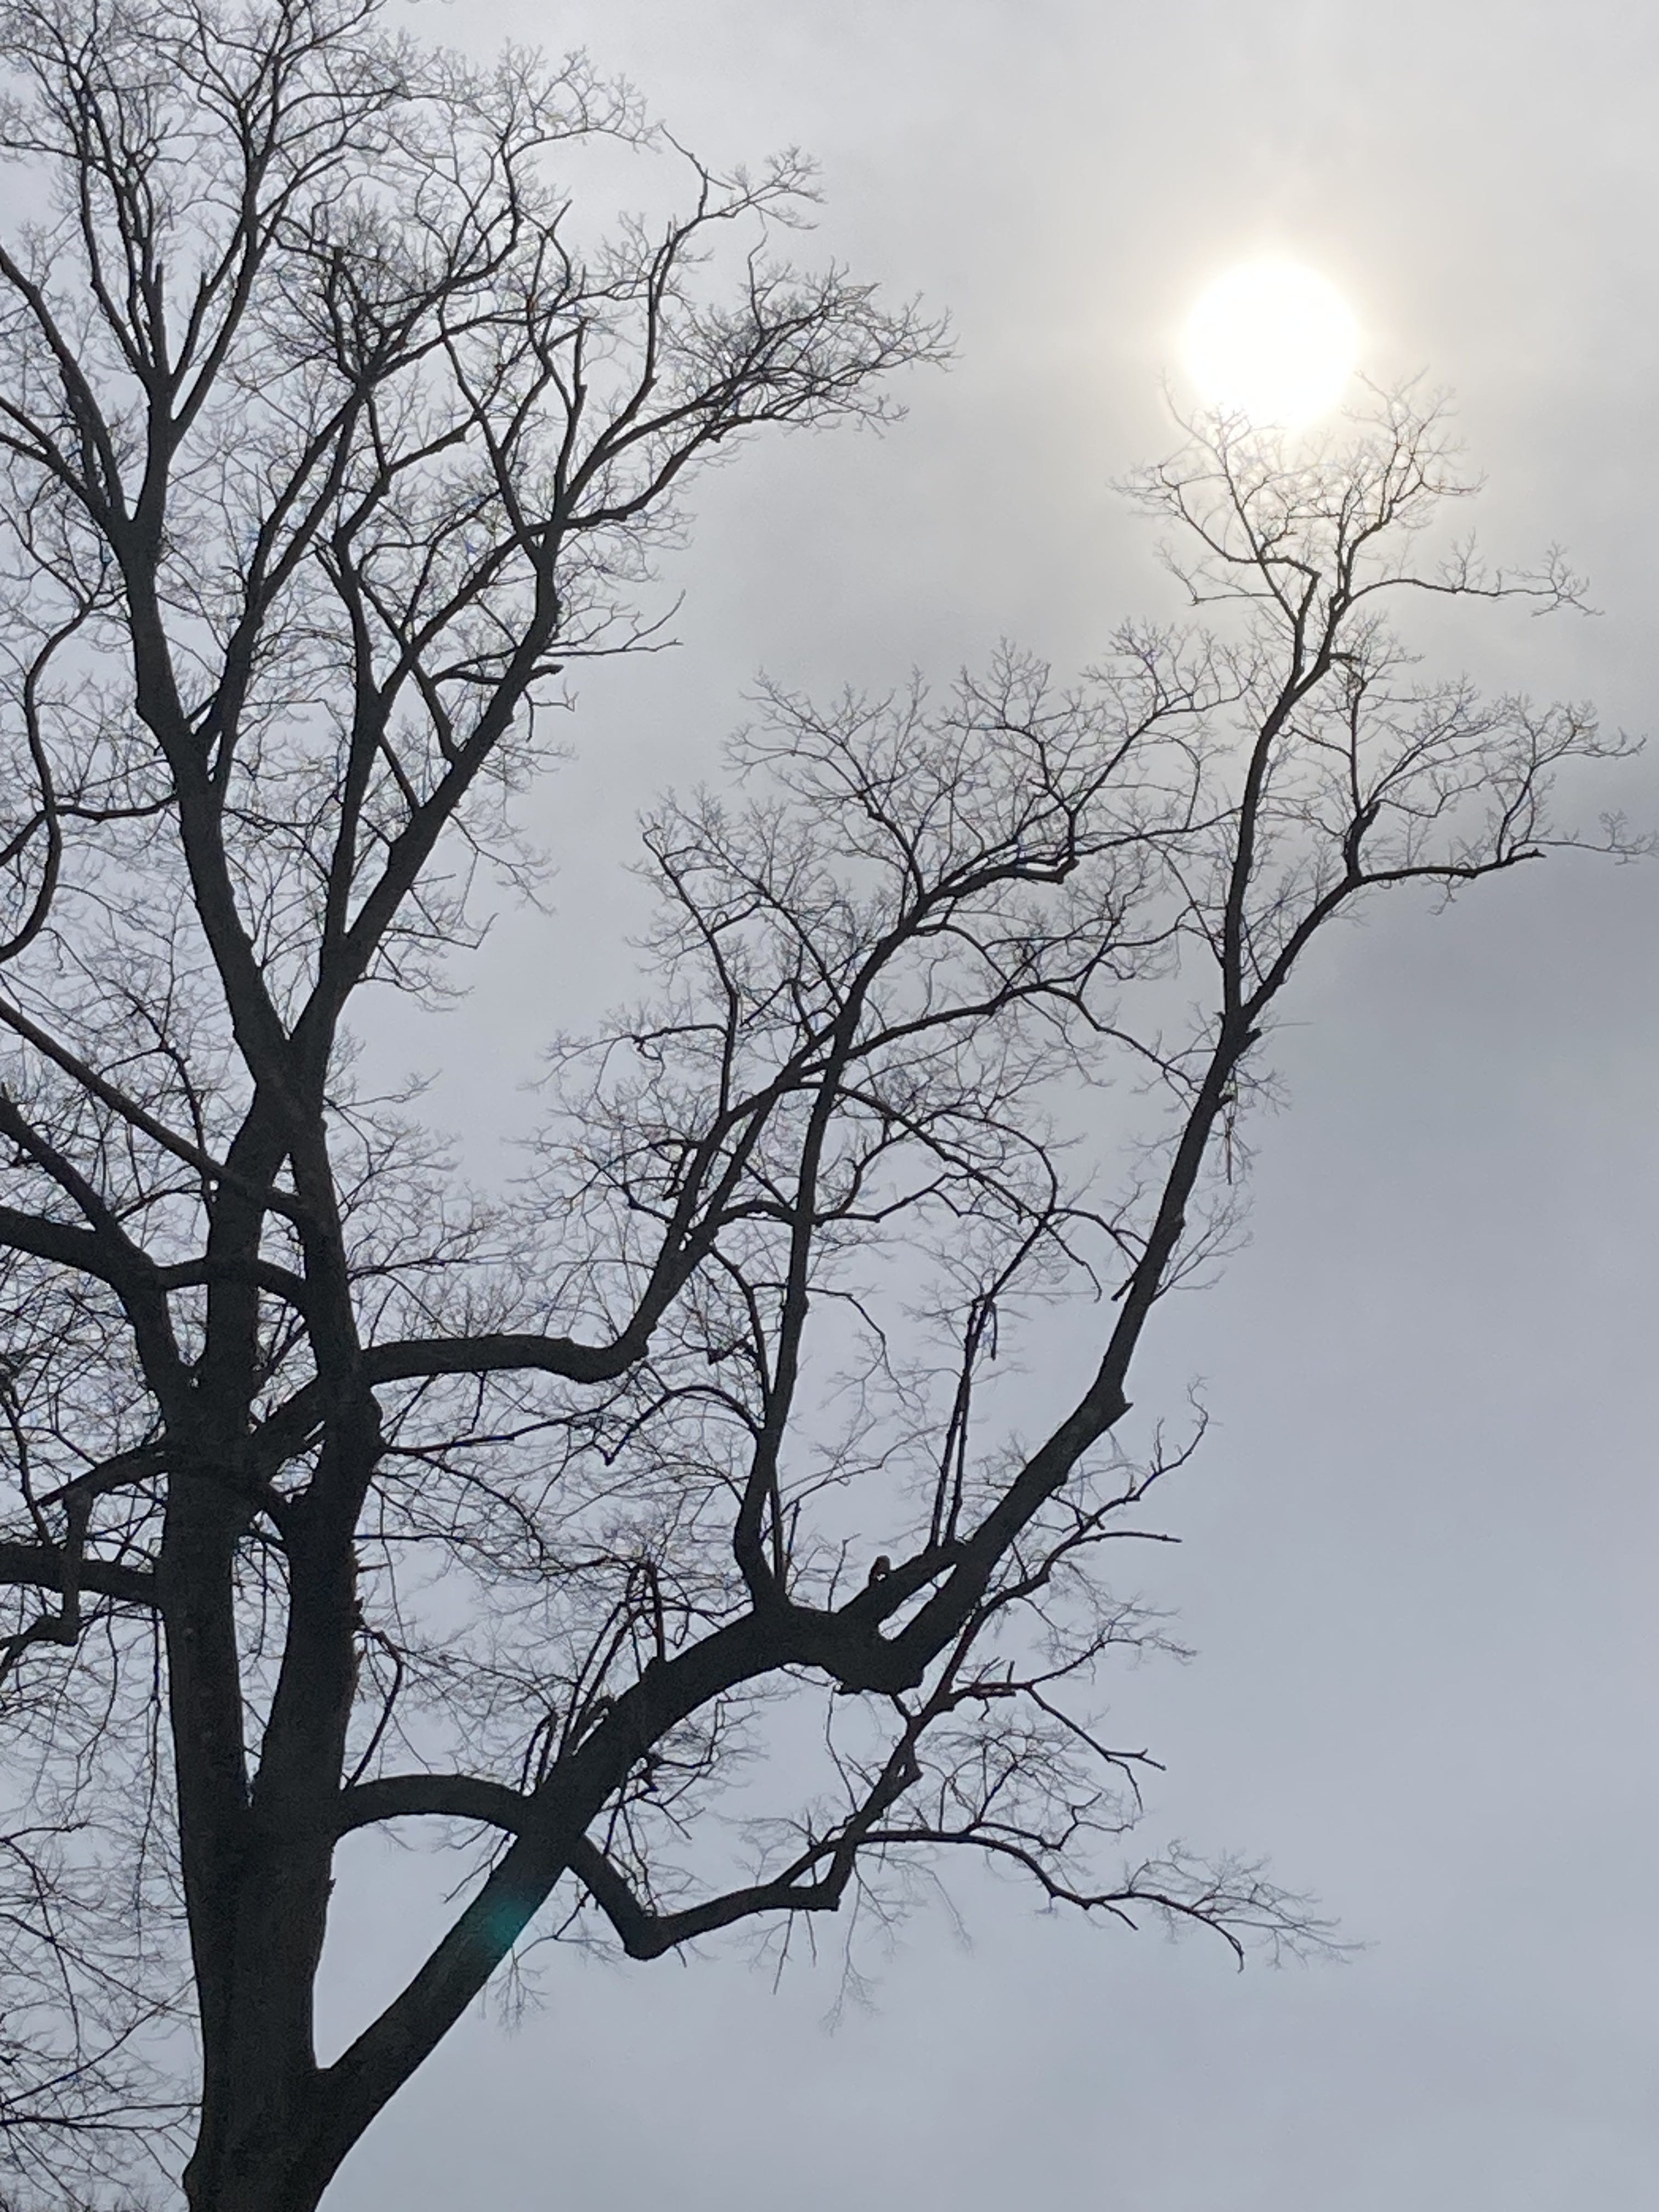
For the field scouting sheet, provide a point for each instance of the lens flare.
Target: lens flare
(1272, 342)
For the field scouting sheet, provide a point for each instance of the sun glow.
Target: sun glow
(1273, 341)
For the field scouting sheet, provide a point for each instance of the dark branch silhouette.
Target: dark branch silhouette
(332, 437)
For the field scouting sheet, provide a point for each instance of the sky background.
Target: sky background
(1419, 1553)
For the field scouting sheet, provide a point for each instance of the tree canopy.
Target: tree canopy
(340, 1493)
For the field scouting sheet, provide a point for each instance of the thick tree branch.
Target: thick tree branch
(448, 1796)
(41, 1567)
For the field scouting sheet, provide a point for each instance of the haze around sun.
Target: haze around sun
(1272, 340)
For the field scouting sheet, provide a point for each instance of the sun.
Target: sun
(1273, 341)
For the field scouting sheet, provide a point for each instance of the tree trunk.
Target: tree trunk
(258, 1884)
(253, 2170)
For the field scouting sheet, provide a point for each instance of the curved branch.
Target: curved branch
(449, 1796)
(646, 1935)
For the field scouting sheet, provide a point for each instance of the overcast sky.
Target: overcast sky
(1420, 1546)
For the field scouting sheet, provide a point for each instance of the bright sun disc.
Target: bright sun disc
(1272, 342)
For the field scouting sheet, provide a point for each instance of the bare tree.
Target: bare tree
(341, 1495)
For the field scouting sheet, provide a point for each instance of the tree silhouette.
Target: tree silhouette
(343, 1495)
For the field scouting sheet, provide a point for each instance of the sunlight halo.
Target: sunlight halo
(1273, 341)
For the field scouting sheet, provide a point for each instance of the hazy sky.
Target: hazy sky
(1420, 1545)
